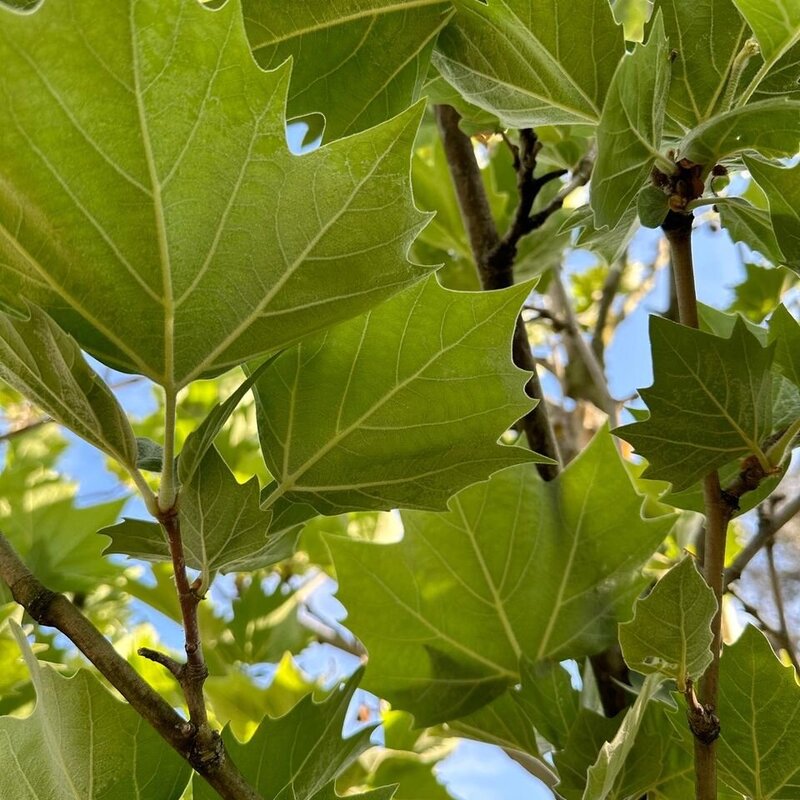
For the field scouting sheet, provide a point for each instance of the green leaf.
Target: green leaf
(196, 240)
(629, 133)
(670, 632)
(751, 225)
(603, 774)
(711, 402)
(609, 245)
(401, 407)
(222, 526)
(356, 62)
(776, 24)
(200, 440)
(759, 750)
(652, 206)
(570, 548)
(784, 330)
(530, 63)
(780, 184)
(707, 35)
(759, 293)
(298, 756)
(45, 364)
(632, 15)
(80, 742)
(742, 129)
(149, 454)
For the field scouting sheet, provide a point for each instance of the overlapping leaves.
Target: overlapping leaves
(571, 549)
(195, 239)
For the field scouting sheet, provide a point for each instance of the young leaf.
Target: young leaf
(670, 632)
(299, 756)
(780, 184)
(80, 742)
(570, 550)
(711, 402)
(222, 525)
(531, 63)
(759, 699)
(708, 35)
(743, 129)
(629, 133)
(45, 365)
(197, 240)
(356, 62)
(401, 407)
(603, 774)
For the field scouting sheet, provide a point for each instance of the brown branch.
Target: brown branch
(23, 429)
(764, 534)
(677, 228)
(484, 240)
(777, 596)
(55, 610)
(609, 291)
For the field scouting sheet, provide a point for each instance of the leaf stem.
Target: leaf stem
(54, 610)
(168, 490)
(678, 231)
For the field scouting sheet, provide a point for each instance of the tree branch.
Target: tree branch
(54, 610)
(484, 240)
(777, 595)
(23, 429)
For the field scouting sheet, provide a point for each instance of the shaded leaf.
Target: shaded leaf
(197, 240)
(532, 63)
(759, 749)
(223, 527)
(707, 35)
(784, 330)
(629, 133)
(743, 129)
(149, 454)
(670, 632)
(299, 755)
(710, 403)
(401, 407)
(759, 293)
(356, 62)
(780, 184)
(45, 365)
(81, 742)
(504, 547)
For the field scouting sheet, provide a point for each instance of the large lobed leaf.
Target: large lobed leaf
(544, 570)
(357, 62)
(80, 742)
(149, 203)
(400, 407)
(710, 402)
(531, 62)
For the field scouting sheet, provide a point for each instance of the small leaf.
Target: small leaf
(759, 750)
(711, 402)
(653, 206)
(149, 454)
(571, 549)
(780, 184)
(80, 742)
(357, 63)
(670, 632)
(401, 407)
(45, 364)
(743, 129)
(200, 440)
(610, 762)
(223, 527)
(629, 133)
(632, 15)
(299, 756)
(759, 293)
(532, 64)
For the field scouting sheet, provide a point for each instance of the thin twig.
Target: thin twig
(23, 429)
(777, 595)
(609, 291)
(55, 610)
(484, 239)
(777, 520)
